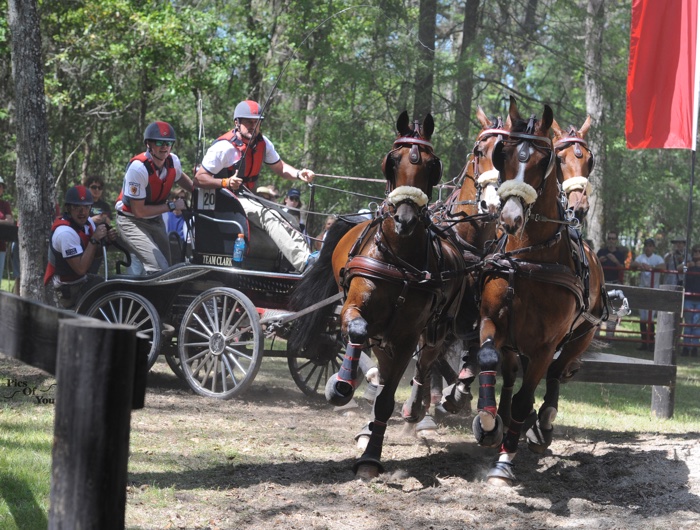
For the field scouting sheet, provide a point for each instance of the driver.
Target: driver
(74, 245)
(235, 159)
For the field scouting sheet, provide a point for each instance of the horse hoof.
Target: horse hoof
(426, 427)
(538, 439)
(501, 474)
(499, 482)
(338, 392)
(366, 472)
(488, 439)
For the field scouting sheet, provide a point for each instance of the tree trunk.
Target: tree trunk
(35, 182)
(595, 24)
(426, 57)
(465, 86)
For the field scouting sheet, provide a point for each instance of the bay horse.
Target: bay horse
(401, 278)
(542, 292)
(469, 216)
(574, 164)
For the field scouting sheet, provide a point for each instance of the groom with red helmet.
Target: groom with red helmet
(74, 245)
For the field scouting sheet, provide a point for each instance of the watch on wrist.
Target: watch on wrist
(171, 206)
(94, 241)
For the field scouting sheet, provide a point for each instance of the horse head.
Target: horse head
(574, 164)
(524, 162)
(411, 169)
(485, 174)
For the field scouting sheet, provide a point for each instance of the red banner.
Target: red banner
(661, 80)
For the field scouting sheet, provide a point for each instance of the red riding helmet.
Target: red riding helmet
(248, 109)
(159, 130)
(78, 195)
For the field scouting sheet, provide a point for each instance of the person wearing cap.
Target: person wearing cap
(648, 262)
(675, 261)
(145, 197)
(75, 243)
(101, 211)
(292, 203)
(5, 219)
(234, 161)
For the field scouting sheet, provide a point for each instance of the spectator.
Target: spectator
(235, 160)
(266, 193)
(647, 262)
(5, 219)
(612, 258)
(144, 197)
(320, 238)
(675, 261)
(691, 304)
(292, 204)
(101, 211)
(74, 245)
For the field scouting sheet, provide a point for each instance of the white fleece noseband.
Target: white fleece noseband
(488, 177)
(512, 188)
(408, 193)
(576, 184)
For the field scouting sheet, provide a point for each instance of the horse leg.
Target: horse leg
(509, 370)
(502, 471)
(369, 465)
(341, 386)
(458, 395)
(487, 425)
(539, 435)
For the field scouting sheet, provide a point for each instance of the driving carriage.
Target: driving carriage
(211, 319)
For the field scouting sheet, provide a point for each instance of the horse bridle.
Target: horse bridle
(413, 157)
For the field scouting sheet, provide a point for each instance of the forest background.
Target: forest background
(336, 75)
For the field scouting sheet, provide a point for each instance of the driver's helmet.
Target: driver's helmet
(248, 109)
(159, 130)
(79, 196)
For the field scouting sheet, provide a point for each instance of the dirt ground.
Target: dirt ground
(275, 459)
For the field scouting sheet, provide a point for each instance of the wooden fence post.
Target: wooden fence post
(95, 378)
(667, 334)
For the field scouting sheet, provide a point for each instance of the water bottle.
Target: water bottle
(239, 251)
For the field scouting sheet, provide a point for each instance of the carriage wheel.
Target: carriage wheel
(311, 369)
(220, 343)
(173, 360)
(124, 307)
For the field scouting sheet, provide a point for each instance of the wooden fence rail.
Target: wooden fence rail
(599, 367)
(100, 371)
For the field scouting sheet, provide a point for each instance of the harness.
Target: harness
(251, 160)
(157, 190)
(57, 264)
(394, 269)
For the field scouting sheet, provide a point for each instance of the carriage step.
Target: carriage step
(168, 331)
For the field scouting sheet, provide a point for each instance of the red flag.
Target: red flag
(662, 88)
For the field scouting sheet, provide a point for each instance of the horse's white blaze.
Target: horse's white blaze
(490, 199)
(513, 209)
(520, 177)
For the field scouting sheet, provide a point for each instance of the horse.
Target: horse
(542, 292)
(574, 164)
(469, 216)
(402, 279)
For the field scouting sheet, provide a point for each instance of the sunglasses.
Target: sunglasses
(95, 187)
(162, 143)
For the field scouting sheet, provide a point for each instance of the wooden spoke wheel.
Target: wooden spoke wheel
(220, 343)
(124, 307)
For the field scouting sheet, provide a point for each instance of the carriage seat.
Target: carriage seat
(215, 232)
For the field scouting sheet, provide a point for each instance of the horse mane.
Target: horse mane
(316, 285)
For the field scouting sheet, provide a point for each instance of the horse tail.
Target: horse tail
(316, 285)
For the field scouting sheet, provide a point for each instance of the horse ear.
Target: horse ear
(497, 156)
(558, 133)
(546, 121)
(513, 114)
(483, 119)
(428, 127)
(583, 131)
(402, 124)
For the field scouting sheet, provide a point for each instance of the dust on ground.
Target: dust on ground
(275, 459)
